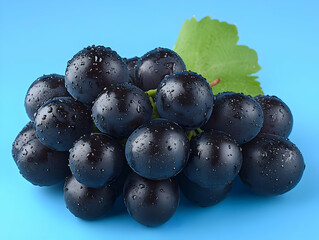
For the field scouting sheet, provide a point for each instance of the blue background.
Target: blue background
(38, 38)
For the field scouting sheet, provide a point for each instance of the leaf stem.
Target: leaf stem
(215, 82)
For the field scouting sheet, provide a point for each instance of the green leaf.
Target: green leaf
(209, 47)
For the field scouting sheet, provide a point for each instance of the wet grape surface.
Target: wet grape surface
(140, 130)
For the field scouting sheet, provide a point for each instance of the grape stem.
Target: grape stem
(215, 82)
(193, 133)
(151, 93)
(151, 96)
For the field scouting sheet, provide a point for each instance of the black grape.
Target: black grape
(150, 202)
(85, 202)
(93, 69)
(25, 135)
(118, 183)
(157, 150)
(237, 114)
(145, 126)
(41, 165)
(61, 121)
(278, 118)
(119, 110)
(131, 65)
(214, 161)
(153, 66)
(272, 165)
(96, 160)
(185, 98)
(42, 90)
(203, 197)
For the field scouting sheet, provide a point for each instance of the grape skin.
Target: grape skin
(237, 114)
(131, 65)
(153, 66)
(24, 136)
(214, 161)
(119, 110)
(87, 203)
(272, 165)
(41, 165)
(93, 69)
(157, 150)
(42, 90)
(96, 160)
(61, 121)
(185, 98)
(150, 202)
(203, 197)
(278, 118)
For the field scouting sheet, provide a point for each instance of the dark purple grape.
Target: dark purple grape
(41, 165)
(118, 183)
(157, 150)
(214, 161)
(203, 197)
(119, 110)
(61, 121)
(185, 98)
(131, 65)
(96, 160)
(42, 90)
(272, 165)
(278, 118)
(85, 202)
(153, 66)
(237, 114)
(25, 135)
(150, 202)
(93, 69)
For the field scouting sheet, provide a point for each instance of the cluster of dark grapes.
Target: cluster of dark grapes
(146, 127)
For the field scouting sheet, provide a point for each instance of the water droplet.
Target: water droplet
(139, 109)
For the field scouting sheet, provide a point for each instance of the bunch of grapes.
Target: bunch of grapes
(146, 127)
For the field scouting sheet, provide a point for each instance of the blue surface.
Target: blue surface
(38, 38)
